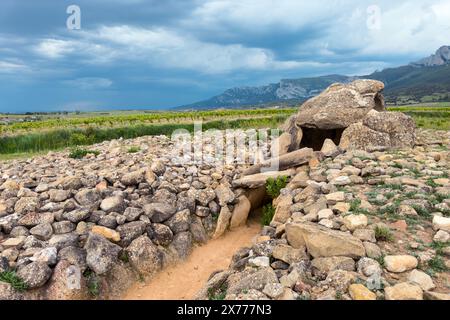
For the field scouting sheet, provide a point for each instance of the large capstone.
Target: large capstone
(352, 116)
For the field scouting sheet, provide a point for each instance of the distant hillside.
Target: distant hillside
(426, 80)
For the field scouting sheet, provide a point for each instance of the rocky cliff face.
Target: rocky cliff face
(440, 58)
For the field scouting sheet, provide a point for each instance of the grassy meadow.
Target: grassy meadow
(56, 131)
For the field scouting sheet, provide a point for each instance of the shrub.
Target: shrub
(134, 149)
(383, 234)
(437, 264)
(92, 282)
(14, 280)
(274, 186)
(81, 153)
(77, 139)
(218, 294)
(268, 213)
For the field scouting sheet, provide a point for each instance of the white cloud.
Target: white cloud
(12, 67)
(55, 48)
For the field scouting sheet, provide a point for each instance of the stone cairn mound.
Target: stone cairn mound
(88, 228)
(350, 165)
(105, 221)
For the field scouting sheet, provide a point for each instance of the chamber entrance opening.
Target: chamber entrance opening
(314, 138)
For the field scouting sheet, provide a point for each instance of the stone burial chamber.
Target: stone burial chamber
(348, 116)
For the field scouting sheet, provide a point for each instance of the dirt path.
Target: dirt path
(184, 280)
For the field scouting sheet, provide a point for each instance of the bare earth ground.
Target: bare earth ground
(184, 280)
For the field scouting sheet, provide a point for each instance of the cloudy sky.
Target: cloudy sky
(132, 54)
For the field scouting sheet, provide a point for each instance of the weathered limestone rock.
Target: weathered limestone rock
(144, 256)
(67, 283)
(282, 210)
(113, 204)
(283, 162)
(224, 194)
(288, 254)
(101, 254)
(256, 280)
(7, 292)
(295, 132)
(422, 279)
(400, 127)
(353, 222)
(441, 223)
(259, 179)
(109, 234)
(222, 222)
(341, 105)
(328, 264)
(400, 263)
(323, 242)
(360, 292)
(404, 291)
(35, 274)
(240, 212)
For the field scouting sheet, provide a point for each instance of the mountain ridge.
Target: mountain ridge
(426, 78)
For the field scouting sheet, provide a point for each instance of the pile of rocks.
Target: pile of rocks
(69, 226)
(357, 225)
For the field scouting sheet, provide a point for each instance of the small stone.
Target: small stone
(260, 262)
(325, 214)
(144, 256)
(400, 263)
(441, 236)
(47, 255)
(42, 231)
(360, 292)
(101, 254)
(333, 198)
(62, 227)
(160, 234)
(88, 197)
(436, 296)
(57, 195)
(13, 242)
(353, 222)
(273, 290)
(441, 223)
(341, 181)
(35, 274)
(326, 223)
(403, 291)
(327, 264)
(368, 267)
(341, 207)
(113, 204)
(405, 210)
(365, 235)
(132, 214)
(422, 279)
(372, 250)
(107, 233)
(77, 215)
(288, 254)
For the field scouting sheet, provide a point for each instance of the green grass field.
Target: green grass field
(56, 131)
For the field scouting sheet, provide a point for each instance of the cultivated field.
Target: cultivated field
(24, 135)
